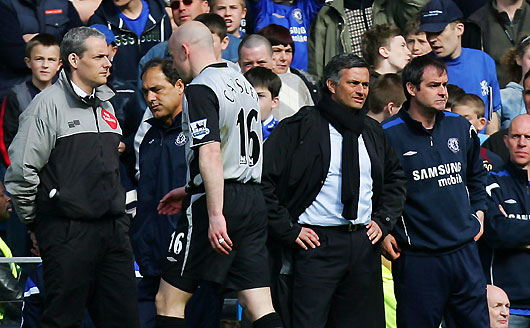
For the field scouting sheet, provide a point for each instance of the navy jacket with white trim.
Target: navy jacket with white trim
(442, 167)
(504, 255)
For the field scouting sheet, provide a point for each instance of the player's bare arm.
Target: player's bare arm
(211, 169)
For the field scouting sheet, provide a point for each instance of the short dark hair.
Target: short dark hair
(43, 39)
(215, 23)
(265, 78)
(412, 26)
(166, 66)
(453, 91)
(376, 37)
(471, 100)
(387, 88)
(333, 69)
(74, 41)
(413, 72)
(277, 35)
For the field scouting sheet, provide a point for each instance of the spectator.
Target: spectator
(385, 50)
(138, 25)
(470, 69)
(26, 18)
(444, 209)
(472, 108)
(256, 50)
(337, 29)
(43, 59)
(233, 12)
(295, 15)
(386, 97)
(267, 85)
(328, 207)
(516, 62)
(416, 41)
(282, 55)
(498, 306)
(495, 142)
(501, 23)
(506, 238)
(68, 190)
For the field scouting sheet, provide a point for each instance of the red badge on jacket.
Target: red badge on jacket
(109, 118)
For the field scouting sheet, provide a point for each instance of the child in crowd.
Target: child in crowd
(267, 85)
(473, 109)
(43, 59)
(385, 50)
(386, 97)
(233, 12)
(453, 91)
(416, 41)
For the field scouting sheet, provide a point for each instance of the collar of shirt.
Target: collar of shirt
(267, 120)
(80, 91)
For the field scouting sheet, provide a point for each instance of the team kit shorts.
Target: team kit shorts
(191, 258)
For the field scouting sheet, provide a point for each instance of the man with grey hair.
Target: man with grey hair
(65, 185)
(334, 188)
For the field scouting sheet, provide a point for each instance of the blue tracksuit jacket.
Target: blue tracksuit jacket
(503, 255)
(442, 166)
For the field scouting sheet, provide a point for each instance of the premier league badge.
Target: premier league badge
(452, 143)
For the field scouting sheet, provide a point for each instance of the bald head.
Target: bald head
(191, 46)
(255, 50)
(498, 306)
(518, 141)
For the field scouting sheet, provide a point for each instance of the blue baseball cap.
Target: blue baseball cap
(109, 36)
(437, 14)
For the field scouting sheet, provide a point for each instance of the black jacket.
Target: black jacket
(296, 163)
(131, 47)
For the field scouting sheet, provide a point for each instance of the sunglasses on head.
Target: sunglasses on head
(176, 4)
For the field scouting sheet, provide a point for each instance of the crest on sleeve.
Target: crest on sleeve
(453, 145)
(199, 129)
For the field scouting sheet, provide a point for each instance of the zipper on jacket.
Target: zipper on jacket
(432, 144)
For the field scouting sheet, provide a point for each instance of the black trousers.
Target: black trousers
(339, 283)
(87, 264)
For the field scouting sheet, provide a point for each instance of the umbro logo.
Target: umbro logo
(410, 153)
(510, 201)
(73, 123)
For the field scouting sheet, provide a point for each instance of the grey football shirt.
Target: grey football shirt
(221, 105)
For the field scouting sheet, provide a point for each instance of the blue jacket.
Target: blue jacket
(162, 168)
(441, 166)
(132, 47)
(505, 262)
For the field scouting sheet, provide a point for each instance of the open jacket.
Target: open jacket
(296, 163)
(64, 158)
